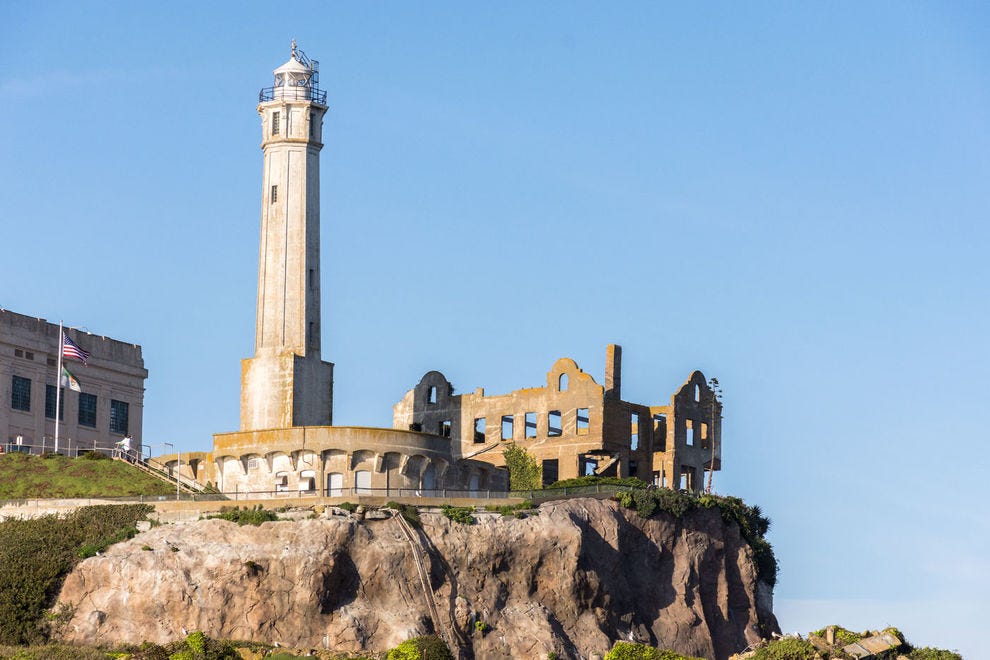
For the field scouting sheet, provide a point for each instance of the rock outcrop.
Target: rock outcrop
(572, 580)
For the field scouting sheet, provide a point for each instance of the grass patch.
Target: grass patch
(579, 482)
(26, 477)
(246, 516)
(36, 555)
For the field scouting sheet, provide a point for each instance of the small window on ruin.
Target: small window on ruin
(507, 427)
(583, 421)
(431, 397)
(551, 470)
(445, 426)
(689, 432)
(531, 425)
(275, 123)
(634, 432)
(274, 197)
(312, 124)
(704, 434)
(479, 430)
(554, 427)
(687, 478)
(281, 482)
(659, 432)
(562, 383)
(697, 393)
(589, 468)
(633, 468)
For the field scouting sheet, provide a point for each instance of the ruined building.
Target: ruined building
(440, 443)
(576, 427)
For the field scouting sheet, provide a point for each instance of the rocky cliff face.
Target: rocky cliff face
(572, 580)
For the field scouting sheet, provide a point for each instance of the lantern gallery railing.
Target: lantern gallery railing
(293, 93)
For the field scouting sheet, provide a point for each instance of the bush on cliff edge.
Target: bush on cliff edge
(36, 555)
(633, 651)
(427, 647)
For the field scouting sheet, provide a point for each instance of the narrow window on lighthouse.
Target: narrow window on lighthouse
(275, 124)
(312, 124)
(274, 194)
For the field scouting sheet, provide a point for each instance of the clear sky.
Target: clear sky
(792, 197)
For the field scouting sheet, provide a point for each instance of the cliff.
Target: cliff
(572, 579)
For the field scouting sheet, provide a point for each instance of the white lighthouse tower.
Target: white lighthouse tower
(287, 383)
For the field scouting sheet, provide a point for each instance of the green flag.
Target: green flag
(68, 380)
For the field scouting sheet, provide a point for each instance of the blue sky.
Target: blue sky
(792, 197)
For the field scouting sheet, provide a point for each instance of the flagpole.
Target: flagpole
(58, 384)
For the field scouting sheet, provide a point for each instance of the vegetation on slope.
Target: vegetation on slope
(36, 555)
(91, 475)
(796, 648)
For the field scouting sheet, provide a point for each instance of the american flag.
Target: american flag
(72, 350)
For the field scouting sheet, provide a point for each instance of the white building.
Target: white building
(109, 406)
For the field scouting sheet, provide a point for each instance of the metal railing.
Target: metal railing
(293, 93)
(66, 447)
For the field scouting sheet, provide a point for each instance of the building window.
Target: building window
(119, 413)
(479, 430)
(531, 425)
(312, 125)
(562, 383)
(583, 421)
(507, 427)
(87, 410)
(20, 394)
(274, 194)
(28, 355)
(697, 393)
(50, 396)
(18, 352)
(431, 396)
(275, 123)
(634, 432)
(554, 428)
(445, 428)
(689, 432)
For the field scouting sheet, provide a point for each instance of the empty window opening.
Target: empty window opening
(583, 421)
(416, 426)
(312, 278)
(689, 432)
(550, 471)
(656, 478)
(307, 481)
(704, 434)
(274, 195)
(445, 426)
(687, 478)
(659, 432)
(634, 432)
(554, 428)
(589, 467)
(276, 127)
(281, 482)
(633, 468)
(20, 394)
(507, 427)
(562, 383)
(431, 396)
(697, 393)
(312, 124)
(479, 430)
(531, 425)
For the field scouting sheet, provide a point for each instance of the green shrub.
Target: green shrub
(461, 514)
(198, 646)
(843, 636)
(928, 653)
(94, 456)
(407, 511)
(578, 482)
(788, 648)
(481, 627)
(36, 555)
(633, 651)
(525, 472)
(427, 647)
(347, 506)
(245, 516)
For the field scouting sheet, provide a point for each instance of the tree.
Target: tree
(525, 472)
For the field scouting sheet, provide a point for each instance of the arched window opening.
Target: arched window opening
(562, 383)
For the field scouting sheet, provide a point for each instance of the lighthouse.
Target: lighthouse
(287, 383)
